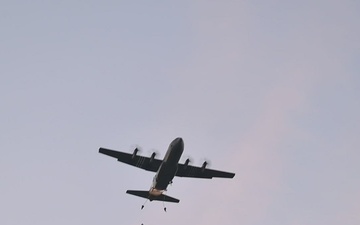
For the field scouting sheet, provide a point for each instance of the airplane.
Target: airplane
(165, 169)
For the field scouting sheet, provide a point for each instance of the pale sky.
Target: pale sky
(266, 89)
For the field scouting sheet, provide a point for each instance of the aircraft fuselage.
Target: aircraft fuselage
(168, 167)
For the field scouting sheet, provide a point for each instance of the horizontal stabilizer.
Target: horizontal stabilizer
(143, 194)
(146, 194)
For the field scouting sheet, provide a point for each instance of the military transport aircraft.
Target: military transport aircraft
(165, 170)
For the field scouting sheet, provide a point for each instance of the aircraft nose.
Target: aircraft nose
(179, 141)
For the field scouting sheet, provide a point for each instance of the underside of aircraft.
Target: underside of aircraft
(165, 169)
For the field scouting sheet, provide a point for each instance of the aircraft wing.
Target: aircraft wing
(146, 163)
(201, 172)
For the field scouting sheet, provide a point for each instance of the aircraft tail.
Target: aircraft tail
(146, 194)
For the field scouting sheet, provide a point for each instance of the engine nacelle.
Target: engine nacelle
(134, 153)
(203, 166)
(152, 157)
(186, 163)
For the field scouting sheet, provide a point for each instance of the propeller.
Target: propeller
(136, 150)
(153, 154)
(206, 163)
(138, 147)
(187, 162)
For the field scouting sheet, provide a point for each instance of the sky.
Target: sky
(268, 90)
